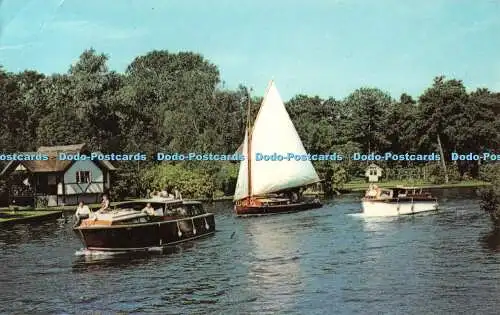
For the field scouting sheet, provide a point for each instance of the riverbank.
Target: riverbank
(23, 216)
(347, 188)
(361, 186)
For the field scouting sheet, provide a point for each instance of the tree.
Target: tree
(401, 125)
(313, 119)
(12, 115)
(172, 88)
(440, 110)
(173, 102)
(94, 90)
(368, 110)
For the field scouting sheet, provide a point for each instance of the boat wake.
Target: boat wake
(87, 252)
(388, 217)
(98, 253)
(381, 216)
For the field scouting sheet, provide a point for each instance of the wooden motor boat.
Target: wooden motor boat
(276, 161)
(127, 228)
(397, 201)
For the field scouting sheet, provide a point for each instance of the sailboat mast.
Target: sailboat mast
(249, 147)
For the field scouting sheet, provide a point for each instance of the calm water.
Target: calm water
(325, 261)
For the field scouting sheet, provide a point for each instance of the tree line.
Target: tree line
(175, 102)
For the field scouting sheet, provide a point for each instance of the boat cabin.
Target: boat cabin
(130, 212)
(374, 192)
(167, 209)
(410, 192)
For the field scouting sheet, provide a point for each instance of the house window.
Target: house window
(82, 177)
(373, 172)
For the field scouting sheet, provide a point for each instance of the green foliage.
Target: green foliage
(226, 177)
(454, 173)
(339, 177)
(441, 110)
(489, 172)
(490, 201)
(172, 102)
(369, 109)
(436, 174)
(347, 150)
(191, 183)
(401, 125)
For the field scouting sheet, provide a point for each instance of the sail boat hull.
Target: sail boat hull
(263, 208)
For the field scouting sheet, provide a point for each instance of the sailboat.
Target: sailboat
(273, 185)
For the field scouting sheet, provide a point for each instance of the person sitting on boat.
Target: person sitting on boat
(164, 193)
(177, 193)
(148, 209)
(82, 212)
(104, 204)
(158, 194)
(316, 198)
(295, 197)
(371, 192)
(182, 211)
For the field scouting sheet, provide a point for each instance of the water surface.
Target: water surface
(325, 261)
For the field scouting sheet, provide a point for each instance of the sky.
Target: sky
(327, 48)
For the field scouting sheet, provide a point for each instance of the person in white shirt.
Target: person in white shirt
(149, 210)
(82, 212)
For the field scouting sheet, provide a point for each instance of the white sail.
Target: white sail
(241, 190)
(274, 133)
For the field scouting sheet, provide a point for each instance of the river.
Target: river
(325, 261)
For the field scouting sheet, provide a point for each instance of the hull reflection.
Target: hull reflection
(491, 241)
(274, 274)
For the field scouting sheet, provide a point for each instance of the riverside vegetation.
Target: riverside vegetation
(176, 102)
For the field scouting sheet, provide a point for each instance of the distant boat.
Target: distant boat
(260, 181)
(127, 228)
(397, 201)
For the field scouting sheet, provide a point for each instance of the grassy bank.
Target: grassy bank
(12, 217)
(361, 186)
(349, 187)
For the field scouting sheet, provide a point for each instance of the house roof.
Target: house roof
(373, 166)
(72, 148)
(53, 164)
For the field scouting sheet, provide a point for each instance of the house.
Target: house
(55, 182)
(373, 172)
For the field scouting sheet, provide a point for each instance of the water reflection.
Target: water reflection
(491, 241)
(21, 234)
(317, 262)
(274, 271)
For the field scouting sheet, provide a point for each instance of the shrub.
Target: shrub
(490, 202)
(191, 183)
